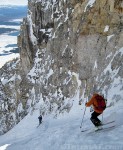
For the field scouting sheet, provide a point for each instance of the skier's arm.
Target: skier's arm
(90, 102)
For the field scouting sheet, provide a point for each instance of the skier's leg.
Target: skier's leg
(39, 121)
(99, 122)
(94, 118)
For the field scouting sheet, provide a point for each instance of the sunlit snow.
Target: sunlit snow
(90, 3)
(4, 41)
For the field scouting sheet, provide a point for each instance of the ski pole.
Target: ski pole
(85, 106)
(102, 117)
(83, 117)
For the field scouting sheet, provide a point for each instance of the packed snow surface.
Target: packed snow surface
(64, 133)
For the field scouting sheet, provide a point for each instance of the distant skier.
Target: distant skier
(40, 119)
(99, 106)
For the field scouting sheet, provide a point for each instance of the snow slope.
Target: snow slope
(64, 133)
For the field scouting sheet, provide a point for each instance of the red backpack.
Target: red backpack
(101, 102)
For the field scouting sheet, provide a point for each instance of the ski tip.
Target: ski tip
(84, 130)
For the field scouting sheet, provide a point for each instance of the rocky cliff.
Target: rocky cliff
(68, 48)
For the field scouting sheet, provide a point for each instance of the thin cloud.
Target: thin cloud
(13, 2)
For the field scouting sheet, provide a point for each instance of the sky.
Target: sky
(13, 2)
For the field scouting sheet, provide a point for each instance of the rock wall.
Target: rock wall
(67, 46)
(77, 37)
(11, 106)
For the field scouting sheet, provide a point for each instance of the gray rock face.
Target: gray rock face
(65, 44)
(11, 105)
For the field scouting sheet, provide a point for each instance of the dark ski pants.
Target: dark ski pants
(40, 121)
(94, 118)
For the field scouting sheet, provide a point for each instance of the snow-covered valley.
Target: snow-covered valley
(10, 19)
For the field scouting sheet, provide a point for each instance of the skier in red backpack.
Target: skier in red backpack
(99, 106)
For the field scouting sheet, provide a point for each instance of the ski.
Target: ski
(106, 128)
(85, 130)
(101, 129)
(104, 124)
(39, 124)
